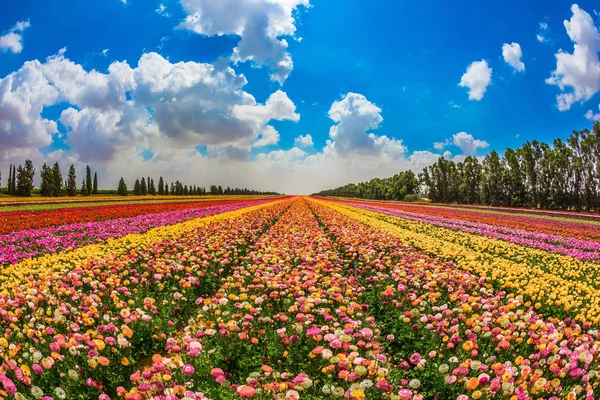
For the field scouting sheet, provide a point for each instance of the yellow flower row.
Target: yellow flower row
(12, 276)
(549, 280)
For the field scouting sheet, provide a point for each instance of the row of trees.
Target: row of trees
(146, 186)
(564, 175)
(21, 181)
(402, 186)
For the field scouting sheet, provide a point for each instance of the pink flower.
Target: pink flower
(188, 370)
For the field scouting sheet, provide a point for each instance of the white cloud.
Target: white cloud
(355, 116)
(278, 107)
(591, 116)
(512, 55)
(268, 136)
(578, 74)
(441, 145)
(105, 52)
(161, 9)
(464, 141)
(157, 105)
(477, 78)
(303, 141)
(23, 95)
(543, 31)
(261, 25)
(13, 39)
(467, 143)
(169, 109)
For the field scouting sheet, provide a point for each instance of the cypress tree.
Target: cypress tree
(95, 188)
(71, 182)
(122, 188)
(161, 186)
(143, 189)
(46, 181)
(152, 188)
(58, 180)
(83, 190)
(9, 185)
(137, 188)
(166, 189)
(88, 181)
(25, 179)
(14, 180)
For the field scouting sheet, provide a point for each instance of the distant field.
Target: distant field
(53, 203)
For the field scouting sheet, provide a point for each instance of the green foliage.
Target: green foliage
(95, 188)
(412, 197)
(393, 188)
(563, 176)
(71, 184)
(137, 188)
(88, 182)
(25, 179)
(122, 188)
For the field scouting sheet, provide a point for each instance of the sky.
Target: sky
(294, 96)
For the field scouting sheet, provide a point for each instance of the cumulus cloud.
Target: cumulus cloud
(13, 39)
(441, 145)
(467, 143)
(260, 24)
(354, 116)
(591, 116)
(23, 95)
(577, 74)
(157, 104)
(464, 141)
(512, 55)
(304, 141)
(170, 109)
(477, 78)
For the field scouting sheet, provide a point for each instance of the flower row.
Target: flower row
(29, 243)
(78, 329)
(558, 285)
(584, 250)
(11, 221)
(457, 335)
(537, 224)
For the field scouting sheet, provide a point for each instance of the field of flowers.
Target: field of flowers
(300, 298)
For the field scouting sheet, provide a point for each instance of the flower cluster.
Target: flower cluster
(28, 243)
(558, 285)
(11, 221)
(80, 326)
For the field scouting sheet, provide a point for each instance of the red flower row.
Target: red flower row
(11, 221)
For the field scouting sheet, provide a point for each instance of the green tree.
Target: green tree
(57, 189)
(122, 188)
(143, 188)
(71, 182)
(137, 188)
(25, 177)
(95, 188)
(161, 186)
(88, 182)
(46, 181)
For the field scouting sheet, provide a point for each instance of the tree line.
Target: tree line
(564, 175)
(146, 186)
(21, 183)
(402, 186)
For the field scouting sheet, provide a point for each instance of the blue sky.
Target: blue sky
(387, 69)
